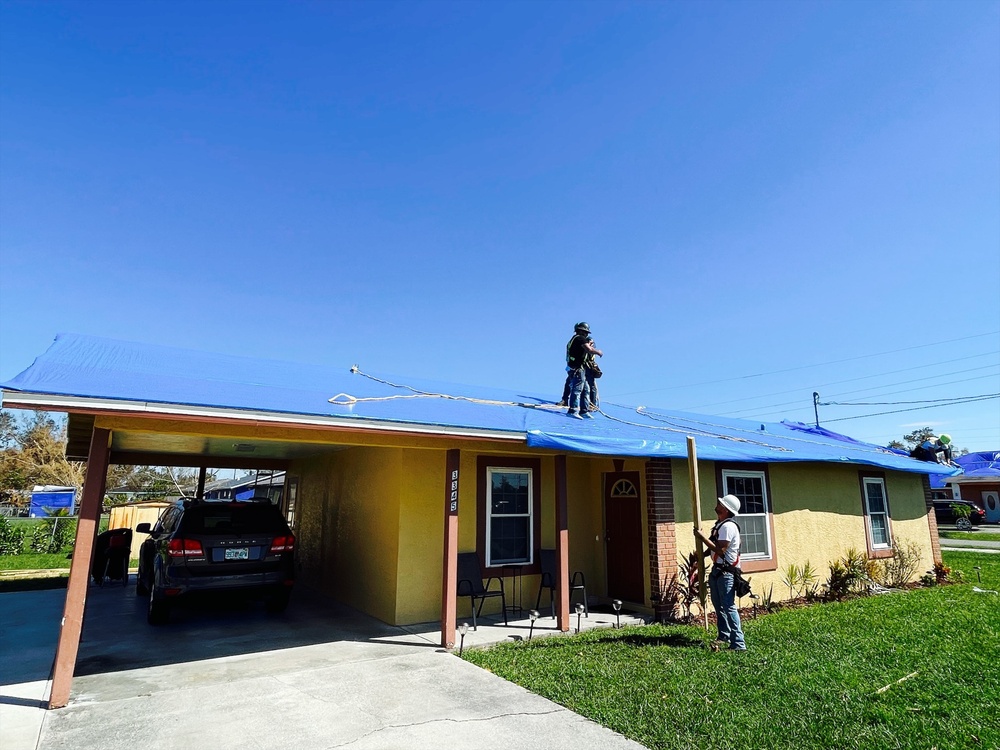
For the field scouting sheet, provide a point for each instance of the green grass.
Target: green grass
(810, 679)
(984, 536)
(34, 561)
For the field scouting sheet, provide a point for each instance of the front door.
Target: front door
(991, 501)
(623, 536)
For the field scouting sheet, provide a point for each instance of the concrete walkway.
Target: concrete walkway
(318, 676)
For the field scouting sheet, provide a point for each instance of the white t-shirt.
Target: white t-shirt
(728, 531)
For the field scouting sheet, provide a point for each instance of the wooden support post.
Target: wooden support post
(79, 571)
(562, 546)
(449, 579)
(699, 548)
(202, 472)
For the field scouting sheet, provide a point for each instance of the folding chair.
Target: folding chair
(547, 558)
(470, 584)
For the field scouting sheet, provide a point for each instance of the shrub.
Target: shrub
(52, 535)
(670, 599)
(898, 570)
(11, 538)
(850, 574)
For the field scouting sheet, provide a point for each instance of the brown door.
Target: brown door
(623, 536)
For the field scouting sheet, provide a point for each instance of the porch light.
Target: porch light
(579, 614)
(532, 615)
(617, 604)
(462, 630)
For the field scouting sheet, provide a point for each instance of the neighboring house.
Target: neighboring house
(385, 484)
(978, 482)
(258, 484)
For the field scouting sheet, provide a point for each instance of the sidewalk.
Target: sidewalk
(319, 676)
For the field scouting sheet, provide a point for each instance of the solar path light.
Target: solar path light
(579, 614)
(617, 604)
(462, 630)
(532, 615)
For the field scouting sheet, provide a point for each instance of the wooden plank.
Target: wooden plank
(449, 582)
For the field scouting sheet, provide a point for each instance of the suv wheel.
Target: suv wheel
(158, 612)
(963, 524)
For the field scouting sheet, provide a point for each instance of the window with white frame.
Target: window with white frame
(509, 526)
(754, 517)
(877, 510)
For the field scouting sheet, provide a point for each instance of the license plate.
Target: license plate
(238, 553)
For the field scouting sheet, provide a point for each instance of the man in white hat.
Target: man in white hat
(724, 545)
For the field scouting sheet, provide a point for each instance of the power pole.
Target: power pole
(816, 406)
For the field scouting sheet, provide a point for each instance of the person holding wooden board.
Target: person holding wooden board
(724, 546)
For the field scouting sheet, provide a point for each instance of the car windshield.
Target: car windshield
(230, 519)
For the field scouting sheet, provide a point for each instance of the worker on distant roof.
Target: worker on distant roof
(933, 449)
(576, 393)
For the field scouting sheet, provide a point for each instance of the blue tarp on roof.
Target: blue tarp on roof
(985, 464)
(98, 368)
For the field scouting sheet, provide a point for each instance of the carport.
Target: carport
(178, 439)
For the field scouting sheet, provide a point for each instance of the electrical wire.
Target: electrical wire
(839, 382)
(806, 367)
(957, 399)
(900, 411)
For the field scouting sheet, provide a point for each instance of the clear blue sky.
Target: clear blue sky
(747, 201)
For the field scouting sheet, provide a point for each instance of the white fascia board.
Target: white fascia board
(49, 402)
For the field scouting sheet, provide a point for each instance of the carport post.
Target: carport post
(562, 546)
(79, 571)
(449, 582)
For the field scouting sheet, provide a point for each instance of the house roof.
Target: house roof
(80, 373)
(983, 466)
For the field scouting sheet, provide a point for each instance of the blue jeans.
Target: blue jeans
(577, 389)
(720, 585)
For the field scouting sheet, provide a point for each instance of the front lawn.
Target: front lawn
(982, 536)
(813, 677)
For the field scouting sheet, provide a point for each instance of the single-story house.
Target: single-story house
(385, 483)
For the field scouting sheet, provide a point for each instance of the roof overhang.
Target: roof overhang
(161, 449)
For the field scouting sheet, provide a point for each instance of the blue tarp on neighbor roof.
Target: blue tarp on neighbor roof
(982, 465)
(97, 368)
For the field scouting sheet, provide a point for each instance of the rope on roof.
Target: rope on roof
(346, 399)
(688, 431)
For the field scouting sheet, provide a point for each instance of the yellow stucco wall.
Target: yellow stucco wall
(817, 515)
(348, 526)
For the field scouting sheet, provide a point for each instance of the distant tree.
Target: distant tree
(34, 452)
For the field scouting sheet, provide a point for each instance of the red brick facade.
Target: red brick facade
(662, 528)
(932, 520)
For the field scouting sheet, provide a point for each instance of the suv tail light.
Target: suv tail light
(282, 544)
(186, 548)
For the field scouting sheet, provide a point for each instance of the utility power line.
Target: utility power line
(915, 408)
(806, 367)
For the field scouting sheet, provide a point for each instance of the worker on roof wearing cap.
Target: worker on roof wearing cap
(933, 449)
(724, 546)
(576, 393)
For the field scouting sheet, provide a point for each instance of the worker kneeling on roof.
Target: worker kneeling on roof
(934, 449)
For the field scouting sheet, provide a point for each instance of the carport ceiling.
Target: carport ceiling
(198, 449)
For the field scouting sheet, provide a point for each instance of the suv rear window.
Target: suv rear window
(229, 519)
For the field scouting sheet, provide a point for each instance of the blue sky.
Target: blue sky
(747, 201)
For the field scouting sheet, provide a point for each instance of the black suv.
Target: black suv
(210, 547)
(945, 513)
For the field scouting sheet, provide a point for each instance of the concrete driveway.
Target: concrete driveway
(319, 676)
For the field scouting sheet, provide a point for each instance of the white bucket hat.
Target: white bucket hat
(731, 503)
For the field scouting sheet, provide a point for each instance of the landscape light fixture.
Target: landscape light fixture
(754, 598)
(579, 614)
(977, 568)
(462, 630)
(532, 615)
(617, 604)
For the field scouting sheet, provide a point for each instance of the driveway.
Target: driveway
(318, 676)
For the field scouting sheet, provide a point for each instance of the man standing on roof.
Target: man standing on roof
(724, 547)
(576, 393)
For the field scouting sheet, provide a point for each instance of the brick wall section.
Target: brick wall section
(662, 529)
(932, 520)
